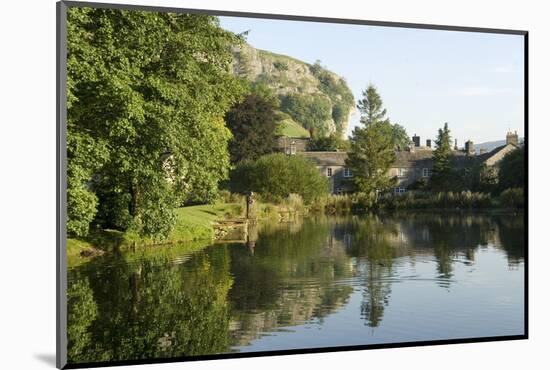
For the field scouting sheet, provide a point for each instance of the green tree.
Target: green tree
(311, 111)
(511, 172)
(400, 137)
(372, 150)
(253, 123)
(331, 143)
(442, 174)
(276, 176)
(147, 93)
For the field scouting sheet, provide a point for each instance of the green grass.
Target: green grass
(194, 223)
(288, 127)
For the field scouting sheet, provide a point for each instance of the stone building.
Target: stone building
(412, 164)
(291, 145)
(333, 166)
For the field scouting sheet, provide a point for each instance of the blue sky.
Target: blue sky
(474, 81)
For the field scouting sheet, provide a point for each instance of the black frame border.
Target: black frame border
(61, 185)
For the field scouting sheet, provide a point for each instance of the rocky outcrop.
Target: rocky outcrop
(313, 96)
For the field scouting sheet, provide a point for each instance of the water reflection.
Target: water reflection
(327, 274)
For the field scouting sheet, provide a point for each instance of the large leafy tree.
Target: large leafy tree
(372, 149)
(511, 172)
(442, 175)
(278, 175)
(147, 93)
(253, 123)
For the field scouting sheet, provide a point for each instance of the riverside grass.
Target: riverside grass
(194, 223)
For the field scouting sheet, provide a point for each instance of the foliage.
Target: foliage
(372, 150)
(400, 137)
(311, 111)
(512, 197)
(337, 90)
(139, 135)
(280, 65)
(276, 176)
(253, 123)
(331, 143)
(151, 308)
(288, 127)
(83, 311)
(442, 175)
(462, 200)
(511, 172)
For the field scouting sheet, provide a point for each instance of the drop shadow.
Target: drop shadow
(47, 358)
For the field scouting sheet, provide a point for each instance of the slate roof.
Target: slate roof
(327, 158)
(407, 159)
(485, 156)
(420, 158)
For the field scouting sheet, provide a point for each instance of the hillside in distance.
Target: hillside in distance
(311, 96)
(490, 145)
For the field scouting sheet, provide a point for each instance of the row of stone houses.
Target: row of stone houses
(411, 165)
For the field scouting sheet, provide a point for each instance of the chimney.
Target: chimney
(428, 143)
(469, 147)
(416, 140)
(512, 138)
(456, 144)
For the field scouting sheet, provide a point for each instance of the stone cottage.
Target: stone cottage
(412, 164)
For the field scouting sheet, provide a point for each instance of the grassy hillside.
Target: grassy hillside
(288, 127)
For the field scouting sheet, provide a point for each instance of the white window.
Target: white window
(347, 172)
(329, 172)
(426, 172)
(402, 172)
(399, 190)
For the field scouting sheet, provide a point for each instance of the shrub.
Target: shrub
(512, 197)
(225, 196)
(81, 207)
(464, 199)
(276, 176)
(280, 65)
(338, 204)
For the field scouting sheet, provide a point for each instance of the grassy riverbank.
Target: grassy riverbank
(194, 223)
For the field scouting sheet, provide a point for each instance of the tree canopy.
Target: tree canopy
(442, 174)
(278, 175)
(147, 93)
(331, 143)
(511, 172)
(253, 123)
(311, 111)
(372, 146)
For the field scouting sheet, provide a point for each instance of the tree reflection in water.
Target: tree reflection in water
(168, 302)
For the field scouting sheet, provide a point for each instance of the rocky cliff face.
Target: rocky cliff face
(314, 97)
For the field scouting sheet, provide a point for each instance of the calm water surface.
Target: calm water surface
(316, 282)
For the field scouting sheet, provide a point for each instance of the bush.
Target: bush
(276, 176)
(338, 204)
(225, 196)
(280, 66)
(464, 199)
(512, 197)
(81, 210)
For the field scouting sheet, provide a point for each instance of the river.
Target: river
(315, 282)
